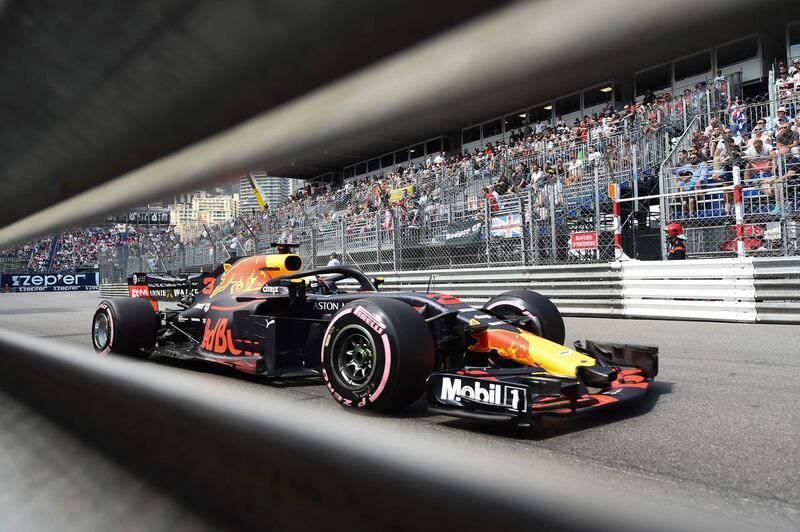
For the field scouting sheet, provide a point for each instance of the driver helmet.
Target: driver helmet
(673, 229)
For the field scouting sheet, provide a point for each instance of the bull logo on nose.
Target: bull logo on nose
(507, 344)
(243, 276)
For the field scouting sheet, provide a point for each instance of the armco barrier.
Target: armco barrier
(777, 289)
(712, 289)
(740, 290)
(577, 290)
(114, 290)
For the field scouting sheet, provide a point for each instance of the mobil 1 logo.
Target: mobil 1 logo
(454, 390)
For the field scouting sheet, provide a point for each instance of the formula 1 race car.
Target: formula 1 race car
(376, 350)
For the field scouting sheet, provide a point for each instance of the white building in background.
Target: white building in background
(276, 190)
(296, 185)
(194, 209)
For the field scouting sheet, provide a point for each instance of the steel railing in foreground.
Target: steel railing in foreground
(255, 462)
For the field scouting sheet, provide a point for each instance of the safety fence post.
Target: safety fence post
(597, 210)
(613, 192)
(737, 209)
(487, 227)
(343, 229)
(522, 220)
(552, 225)
(378, 238)
(533, 231)
(313, 245)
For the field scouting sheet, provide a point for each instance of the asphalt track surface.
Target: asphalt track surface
(718, 433)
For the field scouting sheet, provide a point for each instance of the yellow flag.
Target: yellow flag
(257, 192)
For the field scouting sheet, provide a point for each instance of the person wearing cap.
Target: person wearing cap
(772, 123)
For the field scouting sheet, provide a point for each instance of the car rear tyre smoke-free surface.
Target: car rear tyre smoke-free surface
(376, 354)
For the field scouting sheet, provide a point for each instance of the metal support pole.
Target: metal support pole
(552, 224)
(533, 228)
(313, 245)
(617, 231)
(635, 176)
(522, 219)
(398, 246)
(343, 239)
(487, 226)
(663, 213)
(378, 238)
(597, 210)
(737, 209)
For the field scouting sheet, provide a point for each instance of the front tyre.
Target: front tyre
(376, 355)
(543, 318)
(124, 326)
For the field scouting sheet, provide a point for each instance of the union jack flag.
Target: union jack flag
(507, 225)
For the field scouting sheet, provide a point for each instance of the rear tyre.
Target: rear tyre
(124, 326)
(377, 354)
(544, 319)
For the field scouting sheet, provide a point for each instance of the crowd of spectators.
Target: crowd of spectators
(538, 156)
(764, 146)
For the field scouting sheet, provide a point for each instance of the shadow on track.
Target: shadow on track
(553, 427)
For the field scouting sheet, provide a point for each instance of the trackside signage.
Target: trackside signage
(579, 241)
(49, 282)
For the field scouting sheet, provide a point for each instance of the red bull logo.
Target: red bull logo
(507, 344)
(243, 276)
(530, 350)
(217, 338)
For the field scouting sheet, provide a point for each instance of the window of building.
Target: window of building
(738, 51)
(653, 79)
(400, 156)
(416, 151)
(695, 65)
(515, 121)
(361, 168)
(433, 146)
(446, 144)
(350, 171)
(568, 104)
(472, 134)
(387, 161)
(598, 95)
(374, 165)
(490, 129)
(541, 112)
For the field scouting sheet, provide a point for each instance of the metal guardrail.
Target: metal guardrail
(254, 462)
(739, 290)
(777, 289)
(114, 290)
(578, 290)
(712, 289)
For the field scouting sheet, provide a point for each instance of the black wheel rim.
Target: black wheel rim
(512, 312)
(100, 330)
(354, 356)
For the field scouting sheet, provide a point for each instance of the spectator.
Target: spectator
(334, 260)
(491, 200)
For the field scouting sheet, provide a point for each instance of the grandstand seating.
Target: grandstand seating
(554, 178)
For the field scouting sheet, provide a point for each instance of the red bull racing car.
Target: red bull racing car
(376, 350)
